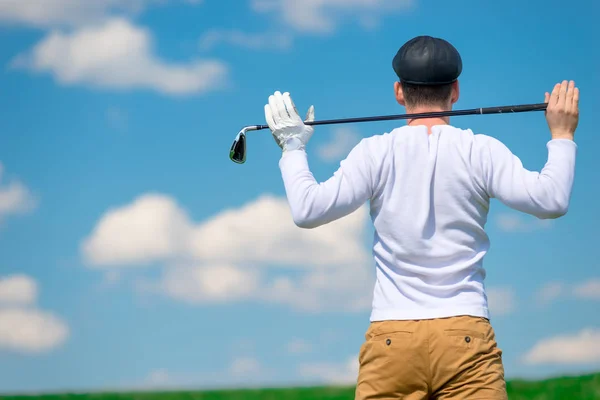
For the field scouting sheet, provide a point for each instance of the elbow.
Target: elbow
(553, 200)
(561, 211)
(305, 214)
(552, 214)
(556, 210)
(306, 218)
(305, 222)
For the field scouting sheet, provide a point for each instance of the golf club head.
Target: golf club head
(237, 153)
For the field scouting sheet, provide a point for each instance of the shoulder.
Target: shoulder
(374, 144)
(370, 151)
(489, 143)
(478, 140)
(386, 140)
(456, 134)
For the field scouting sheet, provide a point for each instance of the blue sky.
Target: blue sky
(135, 254)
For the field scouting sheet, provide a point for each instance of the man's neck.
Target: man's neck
(428, 122)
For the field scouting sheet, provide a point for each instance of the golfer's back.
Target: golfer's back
(429, 196)
(429, 203)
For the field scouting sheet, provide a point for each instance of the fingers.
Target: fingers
(575, 104)
(562, 95)
(281, 109)
(569, 96)
(546, 97)
(269, 117)
(562, 112)
(283, 113)
(290, 107)
(554, 96)
(572, 105)
(275, 108)
(310, 114)
(278, 107)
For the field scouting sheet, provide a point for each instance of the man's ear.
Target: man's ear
(399, 94)
(455, 92)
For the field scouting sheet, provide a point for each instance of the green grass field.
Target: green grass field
(585, 387)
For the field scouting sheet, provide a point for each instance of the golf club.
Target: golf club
(237, 153)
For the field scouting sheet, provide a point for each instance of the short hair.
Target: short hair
(426, 95)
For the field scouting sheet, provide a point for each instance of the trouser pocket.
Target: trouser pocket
(466, 361)
(392, 362)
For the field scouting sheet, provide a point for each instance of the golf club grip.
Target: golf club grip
(514, 109)
(435, 114)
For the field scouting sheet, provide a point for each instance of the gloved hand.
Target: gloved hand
(288, 129)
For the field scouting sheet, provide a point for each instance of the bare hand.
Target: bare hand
(562, 113)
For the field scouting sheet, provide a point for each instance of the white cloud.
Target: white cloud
(23, 327)
(577, 348)
(261, 232)
(501, 300)
(70, 13)
(342, 140)
(31, 331)
(552, 291)
(49, 13)
(510, 222)
(324, 16)
(243, 254)
(314, 16)
(254, 41)
(209, 283)
(341, 289)
(588, 290)
(345, 373)
(15, 197)
(347, 289)
(155, 227)
(120, 56)
(17, 290)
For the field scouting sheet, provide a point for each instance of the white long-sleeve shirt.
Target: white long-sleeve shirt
(429, 198)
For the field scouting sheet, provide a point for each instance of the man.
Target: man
(429, 185)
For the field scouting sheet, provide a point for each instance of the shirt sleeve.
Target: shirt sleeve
(314, 204)
(545, 194)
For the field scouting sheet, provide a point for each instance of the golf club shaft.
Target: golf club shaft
(437, 114)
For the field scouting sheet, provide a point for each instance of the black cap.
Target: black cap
(425, 60)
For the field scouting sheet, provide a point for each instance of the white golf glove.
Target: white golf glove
(288, 129)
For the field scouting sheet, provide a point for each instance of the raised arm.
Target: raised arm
(545, 194)
(313, 204)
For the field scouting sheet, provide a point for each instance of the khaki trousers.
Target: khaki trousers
(452, 358)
